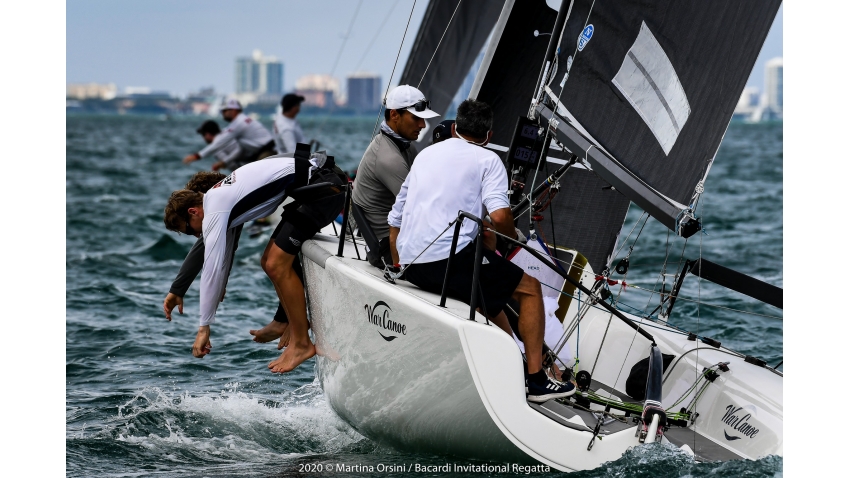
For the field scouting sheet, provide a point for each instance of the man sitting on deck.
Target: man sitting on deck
(387, 161)
(256, 190)
(459, 174)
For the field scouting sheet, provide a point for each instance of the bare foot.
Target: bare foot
(271, 331)
(293, 356)
(284, 339)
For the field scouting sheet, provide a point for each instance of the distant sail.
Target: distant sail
(462, 42)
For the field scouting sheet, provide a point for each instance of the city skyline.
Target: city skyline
(197, 42)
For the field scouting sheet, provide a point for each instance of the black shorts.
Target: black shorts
(300, 222)
(498, 278)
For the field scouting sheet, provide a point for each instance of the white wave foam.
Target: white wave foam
(233, 425)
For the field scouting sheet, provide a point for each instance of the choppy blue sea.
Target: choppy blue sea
(139, 404)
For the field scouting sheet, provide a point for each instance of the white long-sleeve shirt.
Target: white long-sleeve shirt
(447, 177)
(230, 152)
(252, 192)
(250, 134)
(287, 133)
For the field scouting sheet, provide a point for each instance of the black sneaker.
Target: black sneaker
(547, 391)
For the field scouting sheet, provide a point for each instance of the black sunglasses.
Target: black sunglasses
(420, 105)
(189, 230)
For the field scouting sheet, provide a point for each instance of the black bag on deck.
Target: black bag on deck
(636, 383)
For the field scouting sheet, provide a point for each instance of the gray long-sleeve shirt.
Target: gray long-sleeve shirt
(382, 171)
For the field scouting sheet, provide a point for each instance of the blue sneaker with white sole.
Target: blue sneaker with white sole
(549, 390)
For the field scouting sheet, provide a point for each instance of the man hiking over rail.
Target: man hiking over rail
(256, 190)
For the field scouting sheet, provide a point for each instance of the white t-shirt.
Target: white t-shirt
(447, 177)
(287, 133)
(253, 191)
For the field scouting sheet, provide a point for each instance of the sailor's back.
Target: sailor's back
(447, 177)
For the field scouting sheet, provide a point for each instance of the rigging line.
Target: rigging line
(336, 62)
(375, 37)
(426, 247)
(546, 137)
(633, 242)
(610, 318)
(699, 329)
(438, 44)
(390, 81)
(663, 268)
(653, 292)
(347, 36)
(730, 309)
(630, 234)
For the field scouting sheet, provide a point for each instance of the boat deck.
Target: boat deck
(325, 245)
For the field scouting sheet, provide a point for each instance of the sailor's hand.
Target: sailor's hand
(520, 236)
(202, 345)
(218, 165)
(171, 301)
(191, 157)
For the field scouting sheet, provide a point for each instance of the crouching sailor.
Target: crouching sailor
(255, 141)
(254, 191)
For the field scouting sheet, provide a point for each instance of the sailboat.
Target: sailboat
(628, 103)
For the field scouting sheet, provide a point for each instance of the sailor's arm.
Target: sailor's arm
(212, 278)
(222, 139)
(503, 222)
(289, 140)
(228, 156)
(494, 191)
(393, 250)
(394, 219)
(190, 269)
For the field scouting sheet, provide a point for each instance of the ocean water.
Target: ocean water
(138, 403)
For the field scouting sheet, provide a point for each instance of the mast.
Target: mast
(551, 52)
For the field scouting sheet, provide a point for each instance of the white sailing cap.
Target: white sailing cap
(231, 105)
(407, 97)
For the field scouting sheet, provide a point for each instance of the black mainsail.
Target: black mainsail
(641, 91)
(654, 85)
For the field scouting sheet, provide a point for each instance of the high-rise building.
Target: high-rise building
(259, 75)
(364, 91)
(274, 77)
(773, 85)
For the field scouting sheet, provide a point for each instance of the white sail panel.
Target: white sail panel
(649, 82)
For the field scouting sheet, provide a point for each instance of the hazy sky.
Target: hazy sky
(181, 46)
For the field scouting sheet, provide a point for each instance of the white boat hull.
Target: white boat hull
(405, 372)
